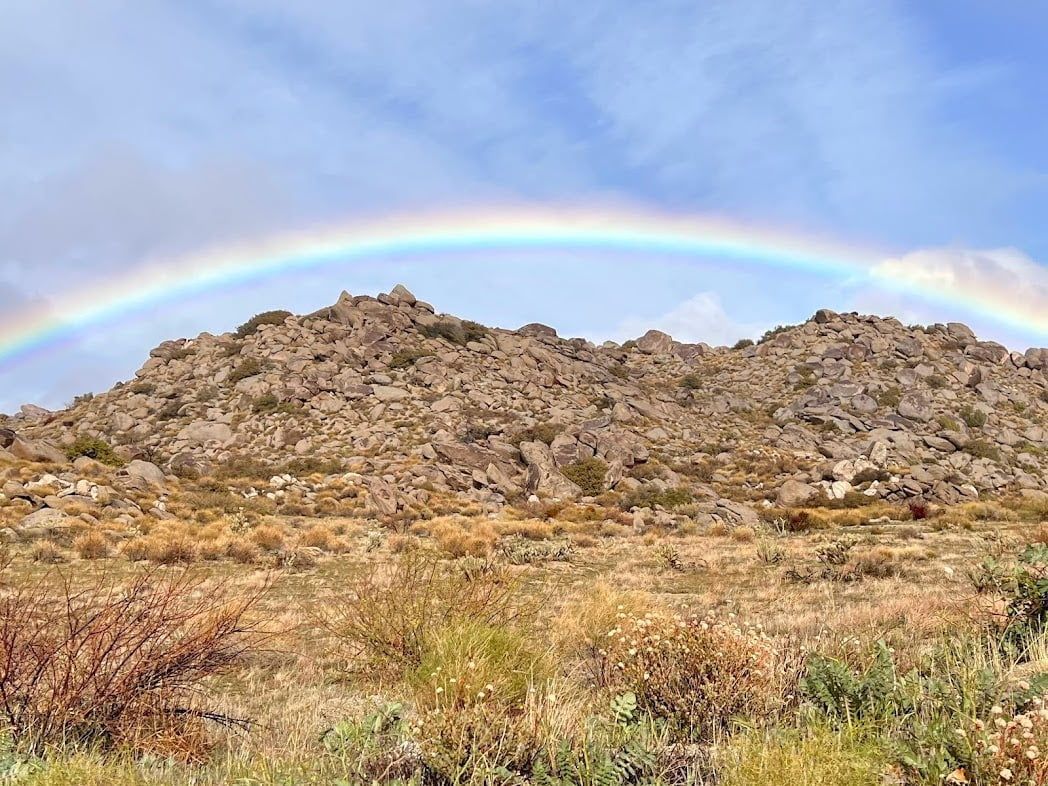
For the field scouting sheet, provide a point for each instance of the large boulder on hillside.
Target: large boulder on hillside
(543, 476)
(794, 493)
(655, 342)
(30, 450)
(146, 472)
(202, 432)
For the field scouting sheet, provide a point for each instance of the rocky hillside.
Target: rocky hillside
(416, 403)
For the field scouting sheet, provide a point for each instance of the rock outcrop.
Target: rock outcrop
(423, 403)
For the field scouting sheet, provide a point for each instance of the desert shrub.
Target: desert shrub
(540, 432)
(936, 382)
(91, 545)
(171, 548)
(691, 381)
(919, 509)
(257, 321)
(248, 367)
(387, 616)
(403, 358)
(742, 343)
(743, 534)
(475, 539)
(268, 537)
(972, 417)
(518, 550)
(1023, 589)
(649, 496)
(981, 448)
(116, 664)
(269, 403)
(785, 520)
(813, 756)
(318, 536)
(889, 397)
(697, 674)
(94, 448)
(48, 552)
(773, 332)
(242, 550)
(588, 474)
(456, 332)
(1012, 750)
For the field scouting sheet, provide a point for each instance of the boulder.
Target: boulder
(203, 432)
(30, 450)
(793, 493)
(655, 342)
(915, 407)
(147, 472)
(543, 476)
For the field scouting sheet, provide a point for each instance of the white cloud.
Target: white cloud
(700, 318)
(1003, 282)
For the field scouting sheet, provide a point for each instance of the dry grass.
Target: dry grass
(370, 614)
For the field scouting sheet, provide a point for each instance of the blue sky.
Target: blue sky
(136, 130)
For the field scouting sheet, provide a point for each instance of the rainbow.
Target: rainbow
(631, 231)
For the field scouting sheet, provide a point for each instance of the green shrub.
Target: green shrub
(742, 343)
(980, 448)
(649, 496)
(844, 693)
(890, 397)
(540, 432)
(265, 318)
(691, 381)
(588, 474)
(269, 404)
(460, 333)
(94, 448)
(936, 381)
(248, 368)
(973, 418)
(770, 334)
(403, 358)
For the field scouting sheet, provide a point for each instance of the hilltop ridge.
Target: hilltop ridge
(418, 405)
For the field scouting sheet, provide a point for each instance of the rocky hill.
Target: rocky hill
(415, 404)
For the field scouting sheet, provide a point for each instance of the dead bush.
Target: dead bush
(267, 537)
(477, 539)
(91, 545)
(116, 664)
(48, 552)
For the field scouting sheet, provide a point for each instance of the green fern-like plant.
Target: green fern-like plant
(845, 694)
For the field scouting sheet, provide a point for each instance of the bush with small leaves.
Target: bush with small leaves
(981, 448)
(257, 321)
(94, 448)
(247, 368)
(698, 674)
(588, 474)
(972, 417)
